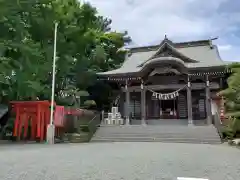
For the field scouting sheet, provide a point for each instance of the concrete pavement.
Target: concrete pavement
(125, 161)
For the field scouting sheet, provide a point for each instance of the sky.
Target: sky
(147, 21)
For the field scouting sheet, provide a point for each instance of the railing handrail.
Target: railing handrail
(89, 121)
(92, 119)
(217, 119)
(217, 112)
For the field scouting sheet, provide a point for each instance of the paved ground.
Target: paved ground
(119, 161)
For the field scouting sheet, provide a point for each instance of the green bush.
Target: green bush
(232, 127)
(228, 133)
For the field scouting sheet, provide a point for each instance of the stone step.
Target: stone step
(153, 132)
(138, 133)
(156, 137)
(156, 134)
(180, 127)
(175, 140)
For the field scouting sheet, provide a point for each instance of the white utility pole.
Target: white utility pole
(51, 127)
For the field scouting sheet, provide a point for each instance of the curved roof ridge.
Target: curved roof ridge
(164, 59)
(165, 44)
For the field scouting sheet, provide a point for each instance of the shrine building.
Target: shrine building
(169, 81)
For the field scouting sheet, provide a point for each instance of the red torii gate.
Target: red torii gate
(37, 115)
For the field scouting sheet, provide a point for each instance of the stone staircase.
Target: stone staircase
(157, 133)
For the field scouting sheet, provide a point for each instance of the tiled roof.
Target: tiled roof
(205, 55)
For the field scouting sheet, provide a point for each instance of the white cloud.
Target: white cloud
(148, 21)
(230, 54)
(225, 47)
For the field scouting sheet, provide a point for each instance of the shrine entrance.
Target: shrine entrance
(161, 108)
(168, 109)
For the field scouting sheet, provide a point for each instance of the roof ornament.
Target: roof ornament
(165, 37)
(212, 39)
(210, 42)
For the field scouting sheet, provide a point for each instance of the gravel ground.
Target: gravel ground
(119, 161)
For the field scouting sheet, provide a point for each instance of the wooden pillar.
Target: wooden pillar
(143, 104)
(127, 99)
(221, 83)
(208, 102)
(189, 102)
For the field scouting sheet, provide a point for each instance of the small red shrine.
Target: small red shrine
(34, 116)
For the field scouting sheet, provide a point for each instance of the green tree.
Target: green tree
(232, 93)
(232, 97)
(19, 50)
(85, 45)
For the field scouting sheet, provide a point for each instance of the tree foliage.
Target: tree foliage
(232, 93)
(232, 97)
(85, 45)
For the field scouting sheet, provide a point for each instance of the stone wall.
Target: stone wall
(75, 121)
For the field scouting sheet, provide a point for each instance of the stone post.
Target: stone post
(189, 102)
(127, 103)
(208, 102)
(143, 104)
